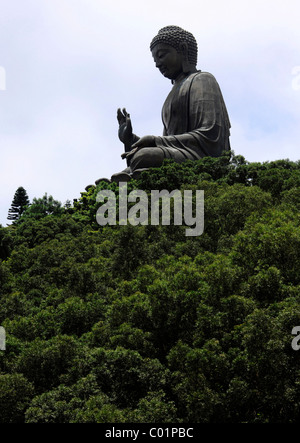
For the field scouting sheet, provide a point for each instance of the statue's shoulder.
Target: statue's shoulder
(203, 75)
(204, 79)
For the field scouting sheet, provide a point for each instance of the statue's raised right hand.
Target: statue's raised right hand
(125, 127)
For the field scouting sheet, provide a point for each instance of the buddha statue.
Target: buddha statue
(194, 115)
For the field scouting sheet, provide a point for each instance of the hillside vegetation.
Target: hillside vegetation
(144, 324)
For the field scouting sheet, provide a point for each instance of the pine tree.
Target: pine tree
(19, 204)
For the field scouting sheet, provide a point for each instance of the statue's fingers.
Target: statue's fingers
(126, 155)
(132, 152)
(128, 122)
(120, 116)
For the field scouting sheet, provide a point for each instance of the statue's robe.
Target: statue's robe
(196, 125)
(195, 119)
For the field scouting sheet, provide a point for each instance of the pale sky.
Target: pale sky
(67, 65)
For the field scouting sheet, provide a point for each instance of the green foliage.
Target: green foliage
(123, 324)
(40, 207)
(6, 242)
(15, 395)
(19, 204)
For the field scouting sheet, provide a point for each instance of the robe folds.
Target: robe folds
(195, 119)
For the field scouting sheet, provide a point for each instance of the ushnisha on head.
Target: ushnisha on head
(182, 41)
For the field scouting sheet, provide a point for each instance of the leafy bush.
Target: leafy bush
(143, 324)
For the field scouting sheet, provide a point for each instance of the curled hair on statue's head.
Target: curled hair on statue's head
(175, 36)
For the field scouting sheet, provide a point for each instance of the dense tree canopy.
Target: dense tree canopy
(144, 324)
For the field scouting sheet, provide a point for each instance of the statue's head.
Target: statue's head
(179, 40)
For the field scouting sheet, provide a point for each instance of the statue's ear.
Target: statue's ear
(183, 48)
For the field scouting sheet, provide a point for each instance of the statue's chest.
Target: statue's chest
(174, 110)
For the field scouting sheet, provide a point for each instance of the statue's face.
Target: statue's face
(168, 60)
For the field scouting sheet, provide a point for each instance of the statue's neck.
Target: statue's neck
(183, 75)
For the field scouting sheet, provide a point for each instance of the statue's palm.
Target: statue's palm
(125, 128)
